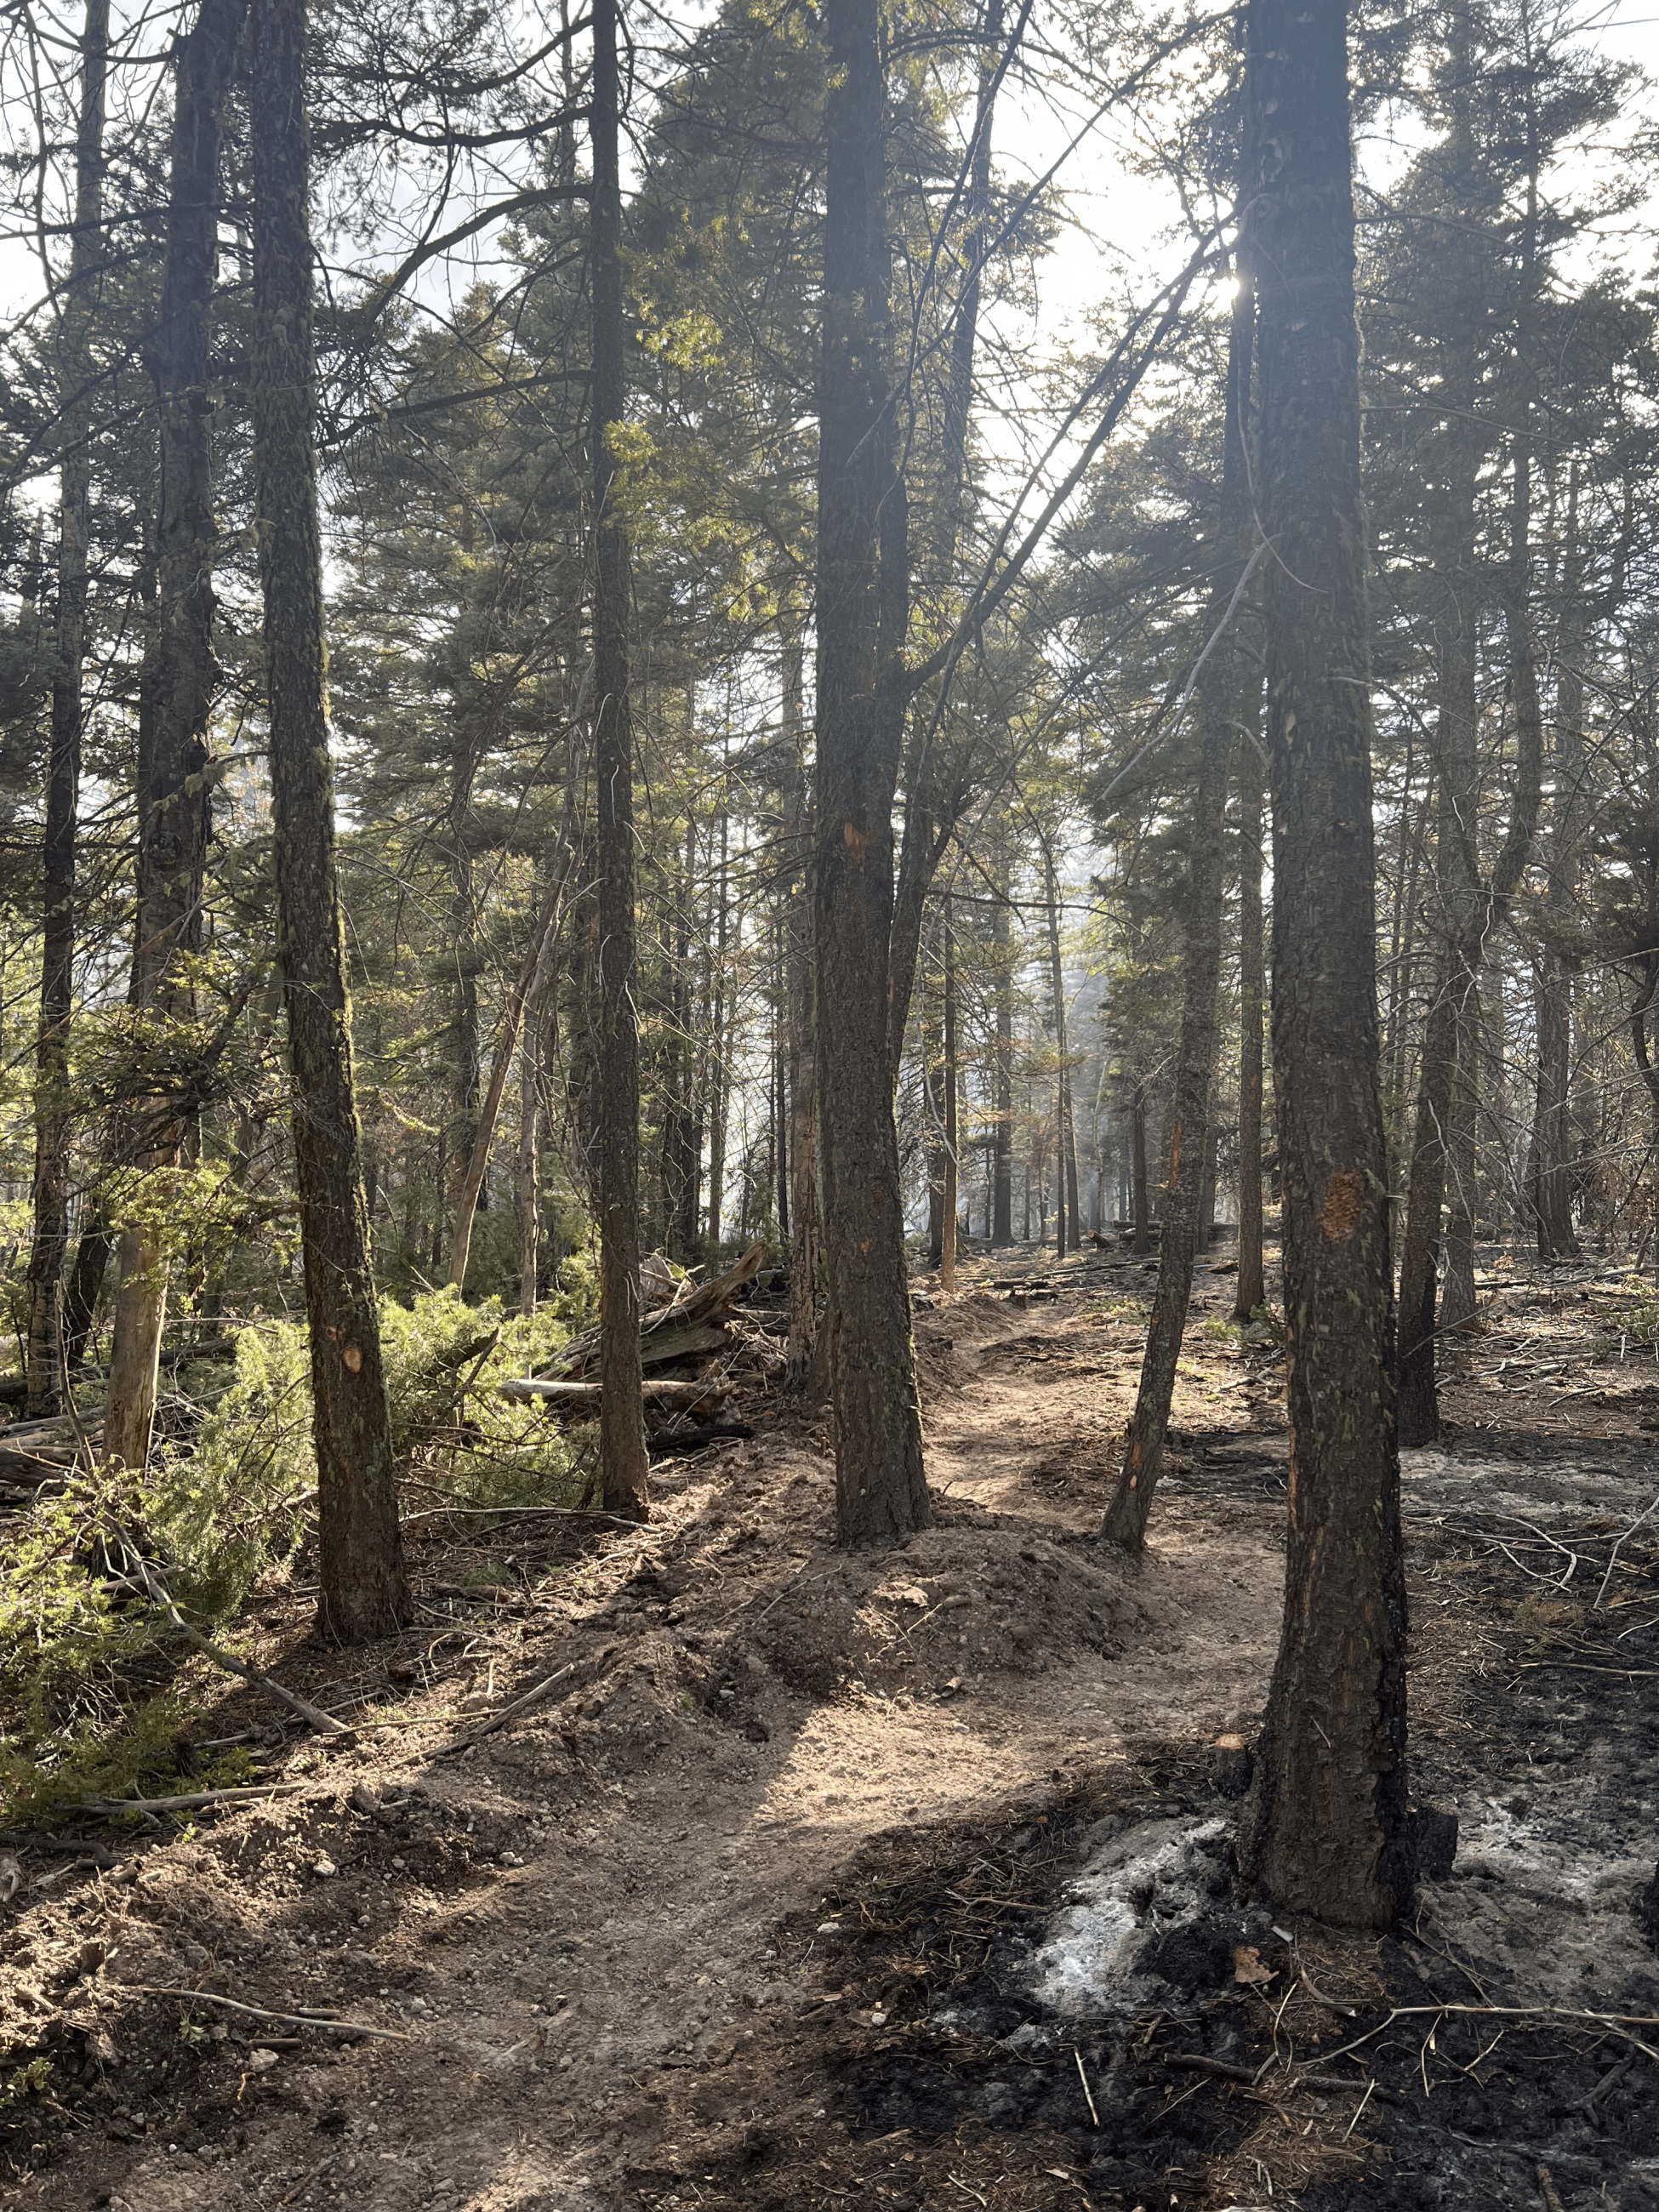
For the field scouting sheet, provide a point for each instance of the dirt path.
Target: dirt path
(610, 1933)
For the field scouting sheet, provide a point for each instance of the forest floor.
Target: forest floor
(902, 1880)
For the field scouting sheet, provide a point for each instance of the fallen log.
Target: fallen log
(554, 1392)
(674, 1331)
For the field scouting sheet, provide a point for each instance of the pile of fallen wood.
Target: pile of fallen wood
(694, 1342)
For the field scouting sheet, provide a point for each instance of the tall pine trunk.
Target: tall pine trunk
(1251, 1288)
(881, 1490)
(935, 789)
(44, 1363)
(174, 795)
(364, 1591)
(1068, 1234)
(1215, 699)
(951, 1181)
(1326, 1827)
(621, 1409)
(805, 1258)
(1002, 1096)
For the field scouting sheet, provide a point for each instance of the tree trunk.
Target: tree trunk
(1470, 908)
(947, 1264)
(543, 936)
(1066, 1205)
(1216, 701)
(622, 1412)
(717, 1090)
(93, 1254)
(1550, 1178)
(529, 1167)
(1002, 1192)
(935, 789)
(1141, 1192)
(881, 1492)
(364, 1592)
(1326, 1828)
(1250, 1290)
(805, 1257)
(44, 1361)
(175, 800)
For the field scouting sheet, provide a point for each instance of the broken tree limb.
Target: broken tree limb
(580, 1394)
(531, 1697)
(151, 1586)
(262, 2012)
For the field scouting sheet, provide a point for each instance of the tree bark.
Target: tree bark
(719, 996)
(1550, 1177)
(1068, 1231)
(44, 1359)
(1002, 1188)
(805, 1255)
(174, 801)
(1139, 1188)
(1445, 1120)
(364, 1591)
(1326, 1827)
(622, 1418)
(881, 1490)
(1216, 700)
(1251, 1291)
(947, 1263)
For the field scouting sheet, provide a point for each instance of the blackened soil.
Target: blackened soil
(1500, 2050)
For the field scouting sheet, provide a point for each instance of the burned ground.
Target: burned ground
(903, 1879)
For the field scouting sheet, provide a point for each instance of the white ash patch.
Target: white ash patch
(1142, 1883)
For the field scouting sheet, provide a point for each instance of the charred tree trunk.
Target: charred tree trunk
(364, 1592)
(622, 1406)
(1216, 700)
(1327, 1826)
(881, 1492)
(44, 1360)
(174, 795)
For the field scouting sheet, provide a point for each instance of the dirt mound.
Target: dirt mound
(956, 1601)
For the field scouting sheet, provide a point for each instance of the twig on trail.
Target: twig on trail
(1619, 1542)
(1575, 1667)
(1369, 2088)
(152, 1586)
(1547, 2186)
(1181, 2061)
(793, 1583)
(262, 2012)
(1620, 2023)
(521, 1513)
(111, 1806)
(1335, 2004)
(507, 1712)
(1093, 2115)
(22, 1839)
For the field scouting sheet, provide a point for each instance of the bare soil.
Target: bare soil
(904, 1878)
